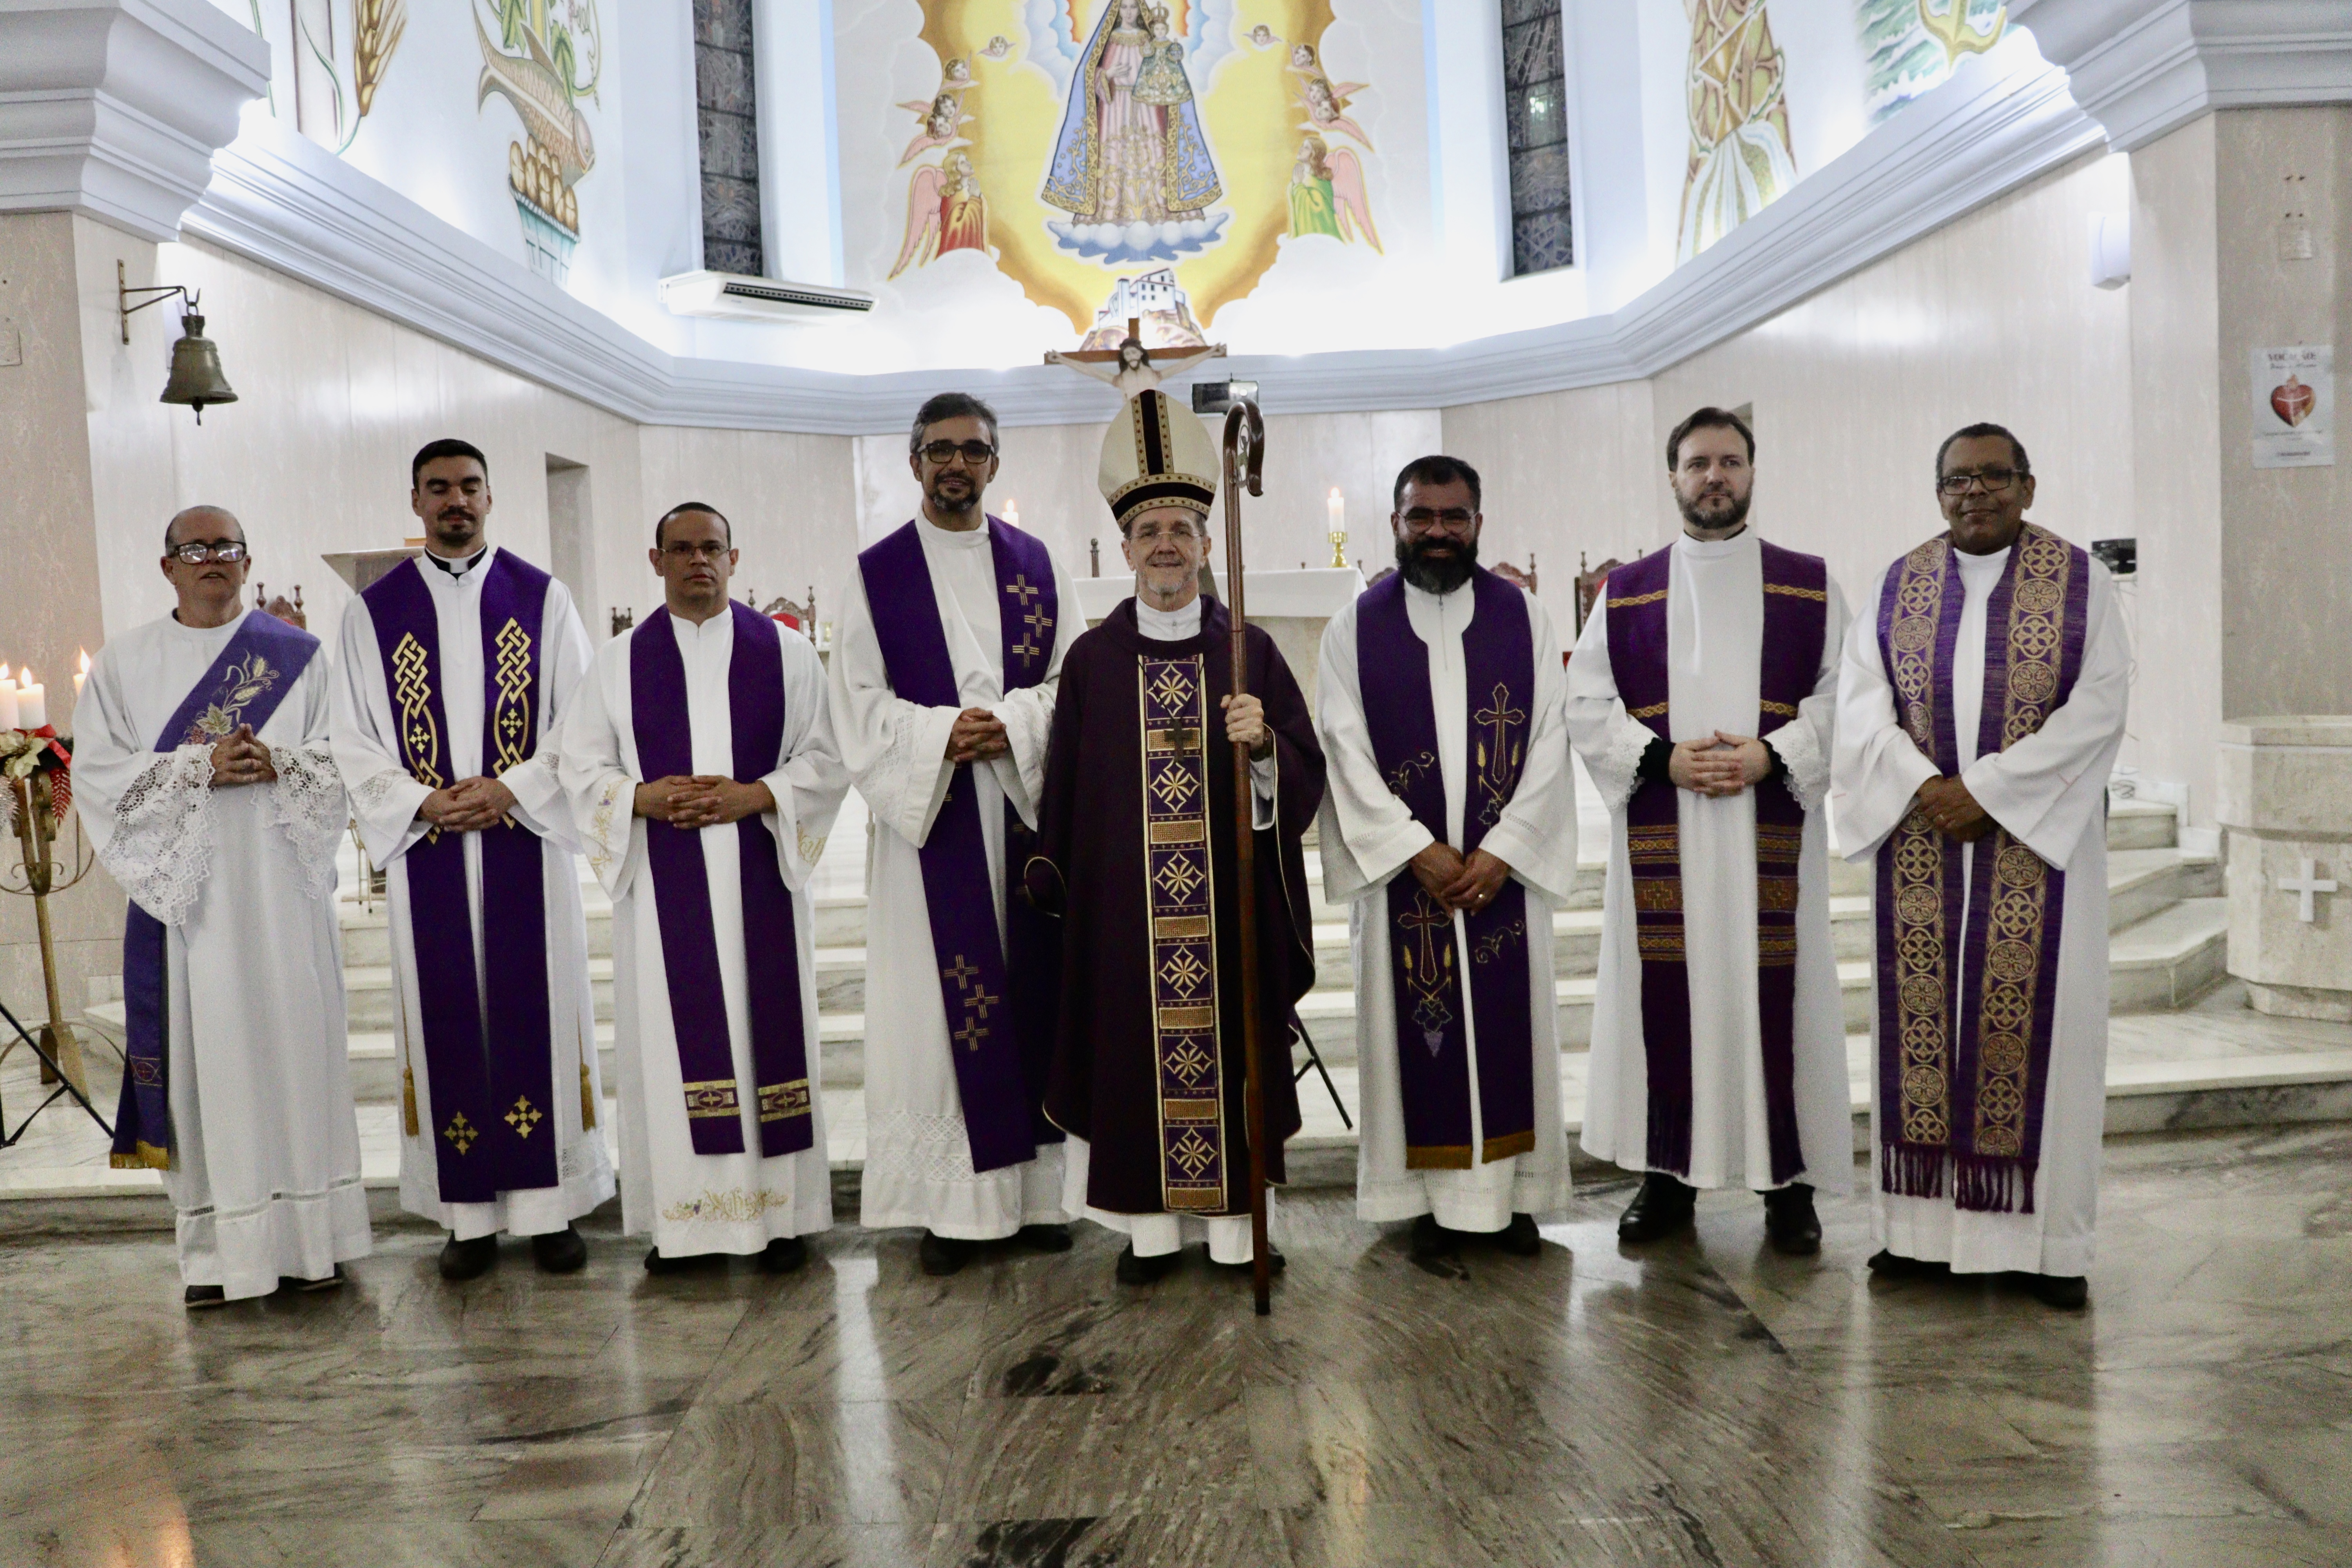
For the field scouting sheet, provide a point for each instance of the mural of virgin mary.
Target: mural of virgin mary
(1130, 149)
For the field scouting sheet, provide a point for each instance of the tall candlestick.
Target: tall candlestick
(32, 703)
(1338, 507)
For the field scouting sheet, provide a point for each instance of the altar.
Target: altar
(2286, 801)
(1292, 607)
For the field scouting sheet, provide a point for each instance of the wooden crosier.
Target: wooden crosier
(1244, 460)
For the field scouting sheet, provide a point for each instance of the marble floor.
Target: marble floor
(1704, 1402)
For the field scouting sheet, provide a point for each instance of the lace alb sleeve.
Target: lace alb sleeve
(308, 803)
(161, 851)
(1798, 746)
(1616, 768)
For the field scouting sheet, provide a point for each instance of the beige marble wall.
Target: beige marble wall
(49, 587)
(2287, 574)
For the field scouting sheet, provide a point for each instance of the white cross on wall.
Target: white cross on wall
(2307, 885)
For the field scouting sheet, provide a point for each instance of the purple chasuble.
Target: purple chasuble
(1970, 1100)
(242, 685)
(999, 984)
(1427, 969)
(1796, 622)
(486, 1037)
(659, 718)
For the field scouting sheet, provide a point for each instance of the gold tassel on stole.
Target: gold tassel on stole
(587, 1097)
(407, 1095)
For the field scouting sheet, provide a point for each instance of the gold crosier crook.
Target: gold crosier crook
(1244, 460)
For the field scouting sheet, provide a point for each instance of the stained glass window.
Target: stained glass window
(1536, 122)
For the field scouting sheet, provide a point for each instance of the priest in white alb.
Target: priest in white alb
(1449, 831)
(699, 757)
(952, 632)
(1700, 697)
(206, 784)
(456, 668)
(1981, 706)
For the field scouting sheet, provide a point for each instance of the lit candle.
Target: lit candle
(32, 703)
(1012, 511)
(7, 700)
(82, 673)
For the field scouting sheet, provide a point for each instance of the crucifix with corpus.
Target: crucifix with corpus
(1131, 367)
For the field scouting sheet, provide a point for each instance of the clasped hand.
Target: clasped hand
(702, 800)
(469, 805)
(978, 737)
(1952, 810)
(1458, 882)
(1718, 764)
(239, 758)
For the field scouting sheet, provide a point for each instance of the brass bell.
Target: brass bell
(196, 377)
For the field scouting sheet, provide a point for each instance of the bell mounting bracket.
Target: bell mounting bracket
(126, 309)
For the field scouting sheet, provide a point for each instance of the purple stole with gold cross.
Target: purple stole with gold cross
(661, 724)
(1796, 622)
(1971, 1101)
(244, 684)
(1001, 992)
(1428, 967)
(491, 1089)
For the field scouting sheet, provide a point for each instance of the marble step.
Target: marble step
(2142, 824)
(2169, 958)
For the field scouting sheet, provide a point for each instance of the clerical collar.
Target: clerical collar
(1169, 625)
(458, 569)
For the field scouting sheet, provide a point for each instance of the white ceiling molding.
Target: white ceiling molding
(113, 107)
(2143, 67)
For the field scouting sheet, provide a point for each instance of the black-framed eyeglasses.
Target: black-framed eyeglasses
(1994, 480)
(973, 453)
(687, 550)
(1422, 519)
(196, 553)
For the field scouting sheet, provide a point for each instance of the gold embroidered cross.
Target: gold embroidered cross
(971, 1034)
(523, 1117)
(1499, 715)
(461, 1132)
(1040, 624)
(1426, 917)
(980, 1001)
(961, 971)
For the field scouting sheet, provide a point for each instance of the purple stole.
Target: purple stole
(1002, 1058)
(1796, 621)
(244, 685)
(1973, 1103)
(1392, 667)
(491, 1089)
(698, 1004)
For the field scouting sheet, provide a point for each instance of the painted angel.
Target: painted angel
(1133, 368)
(998, 47)
(945, 211)
(1327, 106)
(1326, 195)
(1263, 36)
(942, 119)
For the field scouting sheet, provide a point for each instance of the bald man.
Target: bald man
(204, 781)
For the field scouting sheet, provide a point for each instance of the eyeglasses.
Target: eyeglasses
(683, 550)
(1153, 532)
(1994, 480)
(196, 554)
(1421, 519)
(974, 453)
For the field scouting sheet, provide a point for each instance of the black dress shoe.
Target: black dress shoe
(1662, 1207)
(1274, 1261)
(2068, 1292)
(1134, 1271)
(943, 1255)
(1892, 1266)
(1790, 1223)
(468, 1259)
(1045, 1237)
(1432, 1241)
(331, 1281)
(1520, 1237)
(200, 1296)
(655, 1263)
(785, 1255)
(559, 1251)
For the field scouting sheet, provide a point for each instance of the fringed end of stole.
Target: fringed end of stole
(1911, 1170)
(1667, 1146)
(140, 1156)
(1981, 1185)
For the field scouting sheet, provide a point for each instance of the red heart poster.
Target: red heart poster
(2293, 401)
